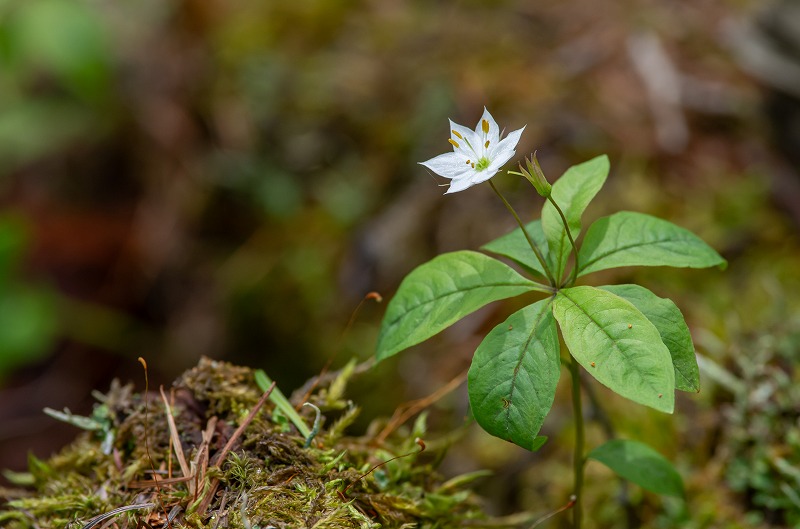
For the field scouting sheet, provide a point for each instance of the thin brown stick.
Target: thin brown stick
(570, 504)
(408, 410)
(147, 442)
(219, 459)
(146, 484)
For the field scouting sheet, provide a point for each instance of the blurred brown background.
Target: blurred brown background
(230, 178)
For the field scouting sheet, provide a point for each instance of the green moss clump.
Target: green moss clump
(266, 479)
(762, 430)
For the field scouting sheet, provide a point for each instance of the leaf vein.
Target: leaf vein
(520, 358)
(614, 342)
(455, 292)
(618, 249)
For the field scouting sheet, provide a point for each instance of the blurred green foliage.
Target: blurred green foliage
(28, 322)
(56, 76)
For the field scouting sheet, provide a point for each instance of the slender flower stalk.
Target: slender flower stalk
(532, 244)
(574, 274)
(535, 176)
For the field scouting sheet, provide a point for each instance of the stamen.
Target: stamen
(486, 145)
(473, 165)
(471, 147)
(468, 162)
(454, 143)
(485, 125)
(460, 137)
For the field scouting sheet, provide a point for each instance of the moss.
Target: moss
(267, 479)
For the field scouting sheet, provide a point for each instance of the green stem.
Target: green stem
(535, 249)
(574, 274)
(577, 462)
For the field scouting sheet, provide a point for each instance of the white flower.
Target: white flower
(477, 155)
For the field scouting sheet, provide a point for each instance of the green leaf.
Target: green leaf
(514, 373)
(635, 239)
(572, 192)
(640, 464)
(28, 325)
(13, 239)
(667, 318)
(515, 246)
(281, 402)
(442, 291)
(39, 33)
(617, 344)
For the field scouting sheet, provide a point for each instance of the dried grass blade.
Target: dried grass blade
(173, 433)
(110, 514)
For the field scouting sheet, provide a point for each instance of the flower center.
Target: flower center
(482, 164)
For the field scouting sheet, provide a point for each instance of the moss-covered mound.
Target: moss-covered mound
(211, 452)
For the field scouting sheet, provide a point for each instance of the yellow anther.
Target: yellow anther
(473, 165)
(485, 125)
(460, 137)
(454, 143)
(486, 145)
(468, 162)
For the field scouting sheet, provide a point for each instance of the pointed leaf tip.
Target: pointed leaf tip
(628, 238)
(514, 374)
(617, 345)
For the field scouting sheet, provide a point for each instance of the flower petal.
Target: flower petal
(448, 165)
(469, 141)
(505, 151)
(474, 149)
(460, 129)
(500, 158)
(459, 184)
(494, 129)
(485, 175)
(509, 142)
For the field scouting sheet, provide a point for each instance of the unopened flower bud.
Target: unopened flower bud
(535, 176)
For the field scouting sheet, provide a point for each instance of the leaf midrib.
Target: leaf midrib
(586, 265)
(614, 342)
(542, 314)
(529, 284)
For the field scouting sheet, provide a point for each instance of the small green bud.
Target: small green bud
(535, 176)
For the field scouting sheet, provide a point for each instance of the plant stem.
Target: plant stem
(535, 249)
(574, 274)
(577, 462)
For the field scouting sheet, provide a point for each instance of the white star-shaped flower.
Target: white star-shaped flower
(477, 155)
